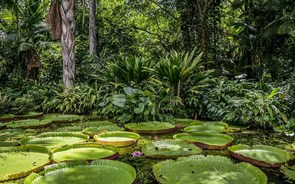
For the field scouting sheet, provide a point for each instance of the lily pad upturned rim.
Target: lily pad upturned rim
(87, 145)
(205, 128)
(201, 161)
(6, 117)
(126, 168)
(26, 148)
(195, 150)
(100, 129)
(38, 124)
(132, 127)
(211, 123)
(131, 135)
(63, 118)
(29, 115)
(234, 148)
(16, 133)
(206, 145)
(25, 141)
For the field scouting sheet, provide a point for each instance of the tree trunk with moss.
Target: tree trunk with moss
(68, 42)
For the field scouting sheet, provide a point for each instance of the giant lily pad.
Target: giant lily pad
(69, 129)
(8, 143)
(28, 123)
(78, 172)
(17, 162)
(151, 127)
(6, 117)
(206, 140)
(205, 128)
(96, 130)
(210, 123)
(95, 123)
(260, 155)
(57, 139)
(183, 122)
(207, 170)
(30, 115)
(169, 149)
(63, 118)
(117, 138)
(15, 134)
(86, 151)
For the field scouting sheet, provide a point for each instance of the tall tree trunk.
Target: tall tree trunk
(92, 27)
(68, 42)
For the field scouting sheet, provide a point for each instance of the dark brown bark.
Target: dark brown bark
(53, 20)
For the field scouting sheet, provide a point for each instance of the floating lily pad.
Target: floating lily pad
(151, 127)
(260, 155)
(8, 143)
(169, 149)
(57, 139)
(28, 123)
(184, 122)
(86, 151)
(96, 130)
(205, 128)
(63, 118)
(95, 123)
(30, 115)
(15, 134)
(207, 170)
(206, 140)
(288, 171)
(117, 138)
(17, 162)
(78, 172)
(210, 123)
(6, 117)
(69, 129)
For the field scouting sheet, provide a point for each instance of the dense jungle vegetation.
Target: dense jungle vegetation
(136, 60)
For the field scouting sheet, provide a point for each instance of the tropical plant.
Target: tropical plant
(257, 108)
(129, 71)
(176, 69)
(80, 99)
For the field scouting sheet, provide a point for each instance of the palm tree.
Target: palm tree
(61, 21)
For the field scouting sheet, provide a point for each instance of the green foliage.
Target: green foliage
(129, 70)
(133, 105)
(257, 108)
(80, 99)
(175, 70)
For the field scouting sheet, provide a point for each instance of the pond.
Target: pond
(144, 165)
